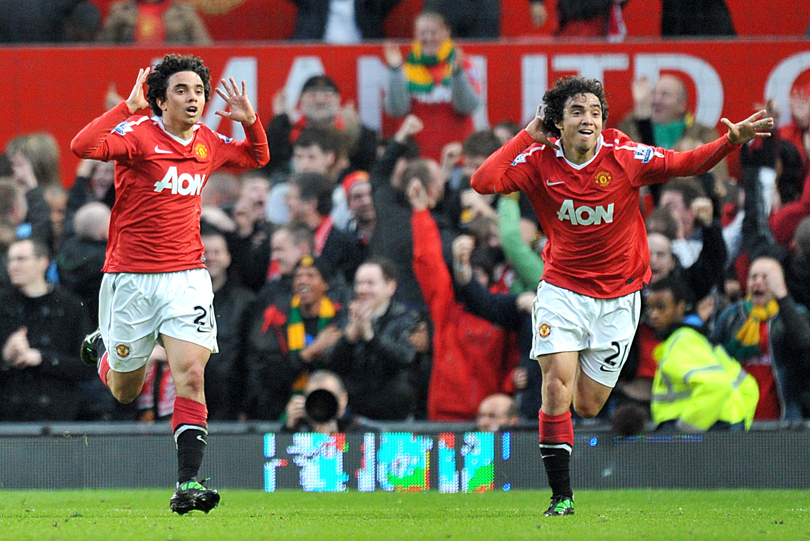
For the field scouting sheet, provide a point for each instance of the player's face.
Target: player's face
(185, 99)
(662, 310)
(370, 285)
(581, 123)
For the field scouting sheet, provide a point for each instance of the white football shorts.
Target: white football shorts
(601, 330)
(135, 309)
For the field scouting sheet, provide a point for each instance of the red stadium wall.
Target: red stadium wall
(60, 89)
(236, 20)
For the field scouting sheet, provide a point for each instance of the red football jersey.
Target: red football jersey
(597, 242)
(155, 223)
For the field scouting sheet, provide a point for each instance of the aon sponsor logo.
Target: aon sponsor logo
(184, 184)
(585, 215)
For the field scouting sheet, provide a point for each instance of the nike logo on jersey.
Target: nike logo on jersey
(549, 183)
(161, 151)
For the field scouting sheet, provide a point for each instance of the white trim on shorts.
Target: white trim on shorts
(135, 309)
(601, 330)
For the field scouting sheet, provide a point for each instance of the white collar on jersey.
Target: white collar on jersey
(599, 142)
(159, 121)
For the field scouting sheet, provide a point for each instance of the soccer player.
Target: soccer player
(155, 287)
(584, 186)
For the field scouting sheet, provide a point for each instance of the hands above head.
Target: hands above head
(240, 108)
(23, 171)
(392, 55)
(137, 100)
(463, 246)
(642, 97)
(410, 127)
(112, 97)
(417, 195)
(280, 103)
(538, 13)
(776, 282)
(535, 129)
(702, 209)
(753, 127)
(800, 107)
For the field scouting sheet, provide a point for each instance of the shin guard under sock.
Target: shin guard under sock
(556, 444)
(190, 434)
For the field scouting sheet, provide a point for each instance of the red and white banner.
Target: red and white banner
(59, 90)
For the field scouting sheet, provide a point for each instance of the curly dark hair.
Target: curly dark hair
(555, 98)
(158, 79)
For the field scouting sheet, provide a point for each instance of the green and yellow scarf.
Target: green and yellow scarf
(423, 72)
(296, 333)
(746, 343)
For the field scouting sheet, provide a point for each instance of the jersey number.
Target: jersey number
(205, 318)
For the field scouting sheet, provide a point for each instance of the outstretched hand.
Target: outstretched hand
(535, 129)
(239, 106)
(751, 128)
(137, 100)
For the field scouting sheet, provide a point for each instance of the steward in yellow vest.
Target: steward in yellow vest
(697, 387)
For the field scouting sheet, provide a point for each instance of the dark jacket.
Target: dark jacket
(271, 367)
(310, 22)
(376, 372)
(56, 323)
(79, 263)
(225, 381)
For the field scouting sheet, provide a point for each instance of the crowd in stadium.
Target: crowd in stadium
(330, 271)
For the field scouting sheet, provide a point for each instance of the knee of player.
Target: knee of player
(125, 396)
(586, 408)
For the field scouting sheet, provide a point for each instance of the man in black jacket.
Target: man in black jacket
(375, 353)
(41, 328)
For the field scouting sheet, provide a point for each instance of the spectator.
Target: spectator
(375, 354)
(153, 22)
(35, 21)
(583, 18)
(309, 198)
(470, 355)
(323, 407)
(770, 336)
(497, 412)
(94, 182)
(289, 244)
(505, 130)
(37, 222)
(436, 82)
(360, 201)
(82, 24)
(249, 240)
(697, 387)
(42, 154)
(81, 256)
(288, 338)
(797, 130)
(225, 372)
(511, 312)
(694, 215)
(41, 329)
(56, 197)
(319, 107)
(661, 118)
(473, 19)
(341, 21)
(681, 18)
(222, 190)
(156, 401)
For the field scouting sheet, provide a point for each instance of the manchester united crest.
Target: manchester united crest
(544, 330)
(201, 151)
(602, 178)
(122, 350)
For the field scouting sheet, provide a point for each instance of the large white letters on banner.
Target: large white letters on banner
(781, 80)
(240, 68)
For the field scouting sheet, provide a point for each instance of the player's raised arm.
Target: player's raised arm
(702, 159)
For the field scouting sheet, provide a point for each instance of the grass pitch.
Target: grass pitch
(120, 515)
